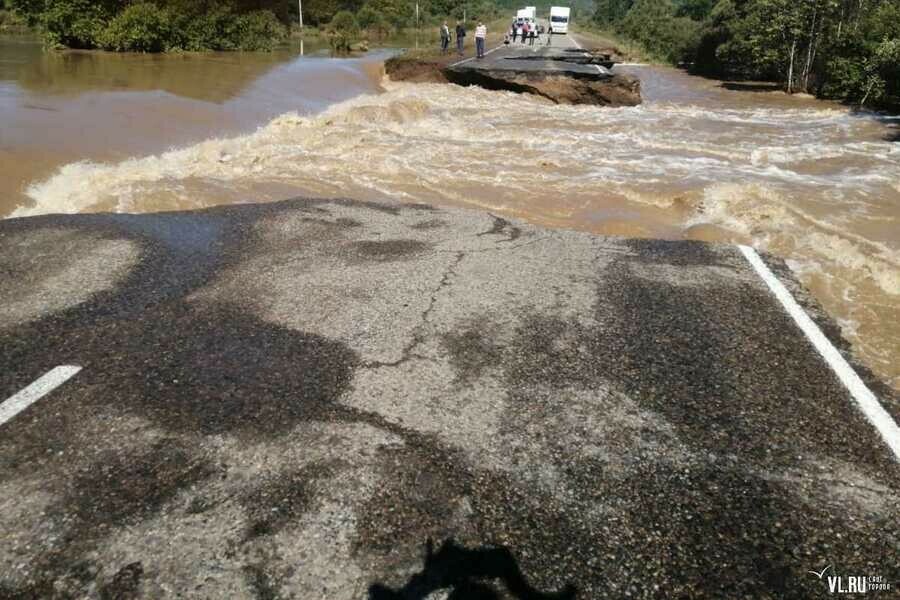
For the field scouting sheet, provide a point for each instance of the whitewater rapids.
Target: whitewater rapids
(805, 180)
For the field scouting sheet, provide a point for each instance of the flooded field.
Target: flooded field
(807, 180)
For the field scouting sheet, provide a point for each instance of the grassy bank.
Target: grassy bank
(629, 50)
(11, 23)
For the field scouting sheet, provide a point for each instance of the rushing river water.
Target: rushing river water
(804, 179)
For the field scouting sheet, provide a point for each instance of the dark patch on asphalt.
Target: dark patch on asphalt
(263, 585)
(388, 250)
(682, 253)
(429, 224)
(281, 499)
(202, 369)
(550, 351)
(421, 496)
(463, 571)
(429, 491)
(419, 206)
(501, 226)
(214, 371)
(199, 505)
(125, 584)
(341, 223)
(117, 488)
(473, 349)
(122, 485)
(382, 207)
(186, 366)
(710, 360)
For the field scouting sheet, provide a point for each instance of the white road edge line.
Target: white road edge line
(465, 60)
(34, 392)
(864, 397)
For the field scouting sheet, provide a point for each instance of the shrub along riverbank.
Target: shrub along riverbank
(847, 50)
(196, 25)
(157, 25)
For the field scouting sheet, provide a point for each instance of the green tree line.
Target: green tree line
(842, 49)
(157, 25)
(347, 20)
(193, 25)
(396, 15)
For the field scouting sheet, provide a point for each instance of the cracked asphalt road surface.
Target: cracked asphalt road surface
(291, 400)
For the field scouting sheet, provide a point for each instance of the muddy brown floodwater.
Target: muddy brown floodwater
(808, 180)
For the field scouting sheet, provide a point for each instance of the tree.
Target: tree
(342, 31)
(398, 13)
(141, 27)
(653, 23)
(611, 12)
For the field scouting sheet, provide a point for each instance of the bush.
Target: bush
(654, 25)
(155, 25)
(12, 22)
(373, 22)
(367, 16)
(221, 29)
(258, 30)
(206, 31)
(342, 31)
(74, 23)
(139, 28)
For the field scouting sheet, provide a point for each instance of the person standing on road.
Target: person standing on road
(460, 37)
(480, 35)
(514, 32)
(445, 37)
(524, 31)
(531, 36)
(549, 34)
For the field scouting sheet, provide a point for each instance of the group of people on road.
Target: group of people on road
(525, 30)
(480, 36)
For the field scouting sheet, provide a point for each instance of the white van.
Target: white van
(524, 15)
(559, 19)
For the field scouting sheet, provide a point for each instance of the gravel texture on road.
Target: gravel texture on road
(336, 399)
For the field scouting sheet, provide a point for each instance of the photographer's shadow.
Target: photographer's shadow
(469, 575)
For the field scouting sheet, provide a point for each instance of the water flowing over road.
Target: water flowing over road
(807, 180)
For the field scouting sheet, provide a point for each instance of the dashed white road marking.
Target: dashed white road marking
(36, 391)
(864, 397)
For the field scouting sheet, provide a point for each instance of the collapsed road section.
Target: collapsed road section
(563, 73)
